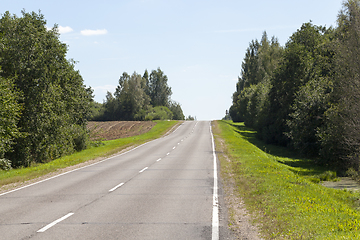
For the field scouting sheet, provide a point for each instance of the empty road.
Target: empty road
(164, 189)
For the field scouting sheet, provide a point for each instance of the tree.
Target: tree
(299, 64)
(131, 96)
(159, 91)
(340, 138)
(54, 99)
(10, 111)
(175, 108)
(252, 88)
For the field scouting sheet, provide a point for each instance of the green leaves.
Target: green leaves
(53, 97)
(308, 95)
(10, 111)
(141, 98)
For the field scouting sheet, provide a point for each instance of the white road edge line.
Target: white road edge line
(54, 223)
(116, 187)
(61, 174)
(143, 169)
(215, 214)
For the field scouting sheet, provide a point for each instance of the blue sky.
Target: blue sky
(198, 44)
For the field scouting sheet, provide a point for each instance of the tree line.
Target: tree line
(137, 97)
(43, 100)
(306, 95)
(44, 104)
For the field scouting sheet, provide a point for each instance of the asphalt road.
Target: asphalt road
(161, 190)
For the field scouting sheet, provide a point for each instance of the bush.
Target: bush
(5, 164)
(159, 113)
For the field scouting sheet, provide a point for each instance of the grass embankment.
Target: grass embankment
(107, 148)
(279, 189)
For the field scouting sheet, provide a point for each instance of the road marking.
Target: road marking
(116, 187)
(174, 147)
(54, 223)
(61, 174)
(167, 154)
(158, 160)
(215, 217)
(143, 169)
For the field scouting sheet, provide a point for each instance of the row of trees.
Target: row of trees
(306, 94)
(137, 97)
(44, 104)
(43, 101)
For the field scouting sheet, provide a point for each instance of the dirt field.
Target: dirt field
(111, 130)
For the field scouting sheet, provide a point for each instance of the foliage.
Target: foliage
(5, 164)
(176, 110)
(158, 113)
(159, 91)
(299, 65)
(345, 115)
(190, 118)
(140, 98)
(10, 111)
(276, 186)
(250, 99)
(307, 94)
(54, 100)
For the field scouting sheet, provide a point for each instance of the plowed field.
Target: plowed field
(111, 130)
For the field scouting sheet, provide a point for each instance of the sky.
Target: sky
(198, 44)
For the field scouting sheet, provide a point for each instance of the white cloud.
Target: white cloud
(88, 32)
(61, 29)
(66, 29)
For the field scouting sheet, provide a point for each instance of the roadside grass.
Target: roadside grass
(104, 149)
(279, 189)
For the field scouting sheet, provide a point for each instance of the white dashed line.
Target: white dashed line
(174, 147)
(54, 223)
(116, 187)
(143, 169)
(158, 160)
(167, 154)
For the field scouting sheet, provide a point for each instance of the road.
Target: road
(164, 189)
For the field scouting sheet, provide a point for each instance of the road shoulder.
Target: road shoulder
(239, 220)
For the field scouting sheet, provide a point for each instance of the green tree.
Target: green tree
(340, 137)
(250, 98)
(298, 66)
(177, 111)
(10, 111)
(159, 91)
(54, 99)
(131, 96)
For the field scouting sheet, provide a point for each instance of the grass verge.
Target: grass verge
(106, 149)
(278, 189)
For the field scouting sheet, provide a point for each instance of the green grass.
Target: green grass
(106, 149)
(278, 187)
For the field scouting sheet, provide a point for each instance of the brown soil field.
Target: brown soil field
(111, 130)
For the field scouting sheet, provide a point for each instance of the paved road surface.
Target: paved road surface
(160, 190)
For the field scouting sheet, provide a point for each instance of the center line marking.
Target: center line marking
(167, 154)
(158, 160)
(143, 170)
(116, 187)
(54, 223)
(174, 147)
